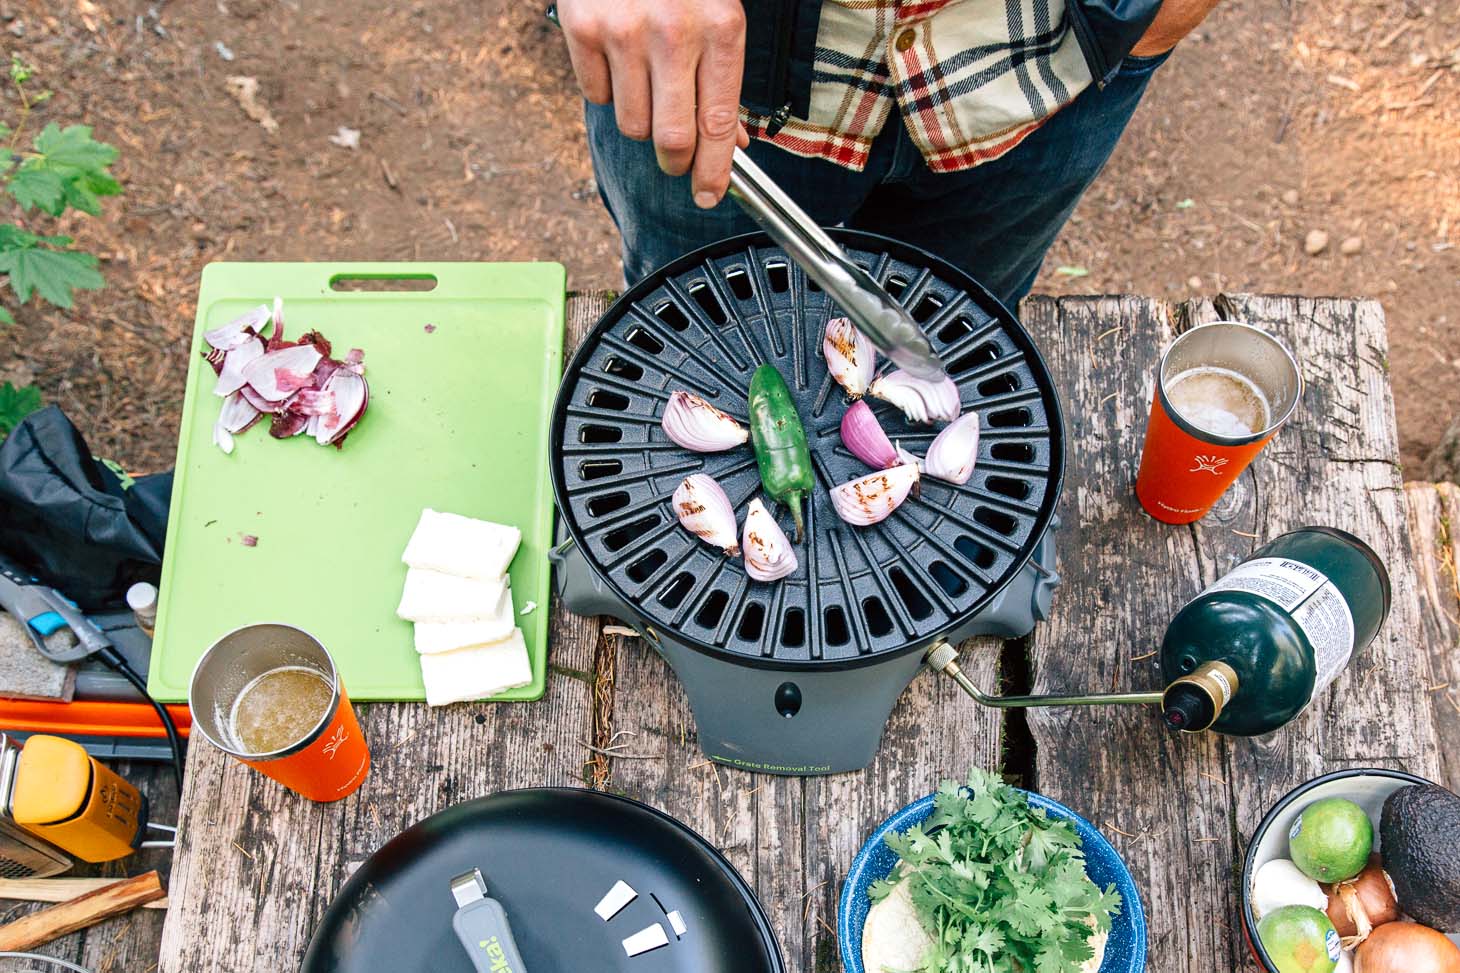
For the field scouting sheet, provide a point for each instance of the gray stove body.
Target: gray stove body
(808, 721)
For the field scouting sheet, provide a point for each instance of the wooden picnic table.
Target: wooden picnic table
(256, 866)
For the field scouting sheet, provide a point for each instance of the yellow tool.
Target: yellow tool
(65, 796)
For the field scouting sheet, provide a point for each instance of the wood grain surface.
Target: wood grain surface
(81, 912)
(256, 866)
(1434, 521)
(1181, 807)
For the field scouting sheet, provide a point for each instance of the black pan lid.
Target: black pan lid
(549, 856)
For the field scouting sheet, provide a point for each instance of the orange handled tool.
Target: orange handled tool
(62, 794)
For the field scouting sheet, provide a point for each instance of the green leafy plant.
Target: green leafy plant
(998, 886)
(63, 169)
(16, 404)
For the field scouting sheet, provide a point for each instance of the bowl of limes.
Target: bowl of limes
(1356, 870)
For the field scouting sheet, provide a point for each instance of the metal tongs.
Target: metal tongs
(866, 302)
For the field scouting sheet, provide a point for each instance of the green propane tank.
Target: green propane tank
(1247, 655)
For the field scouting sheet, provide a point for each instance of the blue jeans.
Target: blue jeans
(995, 221)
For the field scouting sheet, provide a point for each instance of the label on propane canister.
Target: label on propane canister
(1314, 603)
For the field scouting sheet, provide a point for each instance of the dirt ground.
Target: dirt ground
(1275, 120)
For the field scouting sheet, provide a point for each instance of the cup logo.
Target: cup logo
(1209, 464)
(332, 747)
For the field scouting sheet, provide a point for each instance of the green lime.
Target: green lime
(1331, 840)
(1299, 939)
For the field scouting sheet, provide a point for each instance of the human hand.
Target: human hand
(1174, 20)
(672, 72)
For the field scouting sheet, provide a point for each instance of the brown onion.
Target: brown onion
(1406, 947)
(1363, 902)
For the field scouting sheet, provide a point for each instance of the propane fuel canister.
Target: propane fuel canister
(64, 795)
(1251, 651)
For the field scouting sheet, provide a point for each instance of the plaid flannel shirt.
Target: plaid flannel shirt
(971, 78)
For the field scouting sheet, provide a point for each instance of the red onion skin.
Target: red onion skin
(862, 434)
(1406, 947)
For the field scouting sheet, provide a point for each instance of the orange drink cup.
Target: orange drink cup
(270, 695)
(1222, 391)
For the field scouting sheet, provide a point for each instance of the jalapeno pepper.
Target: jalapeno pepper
(779, 441)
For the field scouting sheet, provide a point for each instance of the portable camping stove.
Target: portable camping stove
(799, 676)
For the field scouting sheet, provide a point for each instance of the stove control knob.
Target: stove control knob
(788, 699)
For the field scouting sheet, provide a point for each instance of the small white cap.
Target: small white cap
(142, 596)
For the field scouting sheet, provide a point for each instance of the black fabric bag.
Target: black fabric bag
(80, 524)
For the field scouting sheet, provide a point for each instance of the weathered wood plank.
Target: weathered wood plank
(793, 838)
(1188, 809)
(257, 866)
(1180, 809)
(1434, 523)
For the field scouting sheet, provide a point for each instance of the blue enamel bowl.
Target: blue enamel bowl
(1125, 951)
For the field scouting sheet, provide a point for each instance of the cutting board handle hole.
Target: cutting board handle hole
(383, 282)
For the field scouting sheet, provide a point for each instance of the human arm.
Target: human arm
(1174, 20)
(672, 72)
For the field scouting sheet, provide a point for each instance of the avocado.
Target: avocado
(1420, 840)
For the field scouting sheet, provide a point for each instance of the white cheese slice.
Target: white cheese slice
(463, 546)
(430, 596)
(615, 899)
(432, 637)
(476, 672)
(646, 939)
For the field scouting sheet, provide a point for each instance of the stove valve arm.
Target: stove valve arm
(944, 658)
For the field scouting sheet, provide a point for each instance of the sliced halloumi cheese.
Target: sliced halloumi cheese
(430, 596)
(476, 672)
(463, 546)
(433, 637)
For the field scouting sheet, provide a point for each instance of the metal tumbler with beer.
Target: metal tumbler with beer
(271, 696)
(1222, 391)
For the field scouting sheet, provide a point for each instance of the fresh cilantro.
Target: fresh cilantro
(998, 885)
(16, 404)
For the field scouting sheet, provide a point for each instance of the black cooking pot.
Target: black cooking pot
(798, 676)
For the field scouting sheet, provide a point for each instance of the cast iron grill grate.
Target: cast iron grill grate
(704, 323)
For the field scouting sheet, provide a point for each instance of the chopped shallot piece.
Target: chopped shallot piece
(237, 414)
(286, 424)
(258, 401)
(313, 402)
(297, 383)
(276, 340)
(351, 394)
(278, 374)
(230, 376)
(239, 330)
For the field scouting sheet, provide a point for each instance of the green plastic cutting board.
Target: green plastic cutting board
(457, 421)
